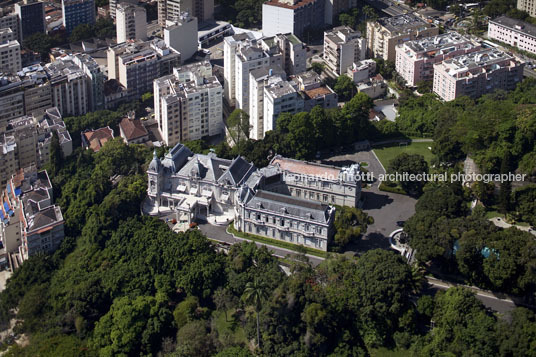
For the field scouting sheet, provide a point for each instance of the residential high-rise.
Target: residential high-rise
(258, 78)
(293, 51)
(114, 3)
(23, 93)
(385, 34)
(30, 223)
(230, 46)
(242, 54)
(137, 64)
(10, 61)
(279, 97)
(188, 104)
(343, 46)
(10, 21)
(415, 59)
(203, 10)
(292, 16)
(27, 139)
(180, 34)
(31, 15)
(70, 87)
(476, 74)
(77, 12)
(527, 6)
(96, 79)
(131, 22)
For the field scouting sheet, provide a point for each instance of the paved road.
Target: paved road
(220, 234)
(499, 222)
(493, 301)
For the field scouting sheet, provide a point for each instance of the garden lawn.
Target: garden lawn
(387, 153)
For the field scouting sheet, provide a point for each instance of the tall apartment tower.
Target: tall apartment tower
(77, 12)
(10, 21)
(130, 22)
(528, 6)
(385, 34)
(10, 61)
(31, 15)
(181, 35)
(188, 104)
(342, 48)
(114, 3)
(203, 10)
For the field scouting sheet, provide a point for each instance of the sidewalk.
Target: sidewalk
(499, 222)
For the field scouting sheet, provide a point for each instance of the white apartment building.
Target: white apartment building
(137, 64)
(96, 79)
(293, 51)
(279, 97)
(415, 59)
(244, 53)
(230, 46)
(516, 33)
(188, 104)
(292, 16)
(250, 56)
(258, 78)
(203, 10)
(476, 73)
(180, 34)
(528, 6)
(23, 93)
(361, 71)
(112, 6)
(11, 21)
(130, 22)
(10, 61)
(69, 85)
(385, 34)
(343, 46)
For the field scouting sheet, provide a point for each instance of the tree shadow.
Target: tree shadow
(375, 201)
(370, 241)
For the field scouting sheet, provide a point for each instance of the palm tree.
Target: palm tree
(254, 294)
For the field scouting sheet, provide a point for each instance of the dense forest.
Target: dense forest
(123, 284)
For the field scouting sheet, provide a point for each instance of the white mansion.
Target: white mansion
(269, 202)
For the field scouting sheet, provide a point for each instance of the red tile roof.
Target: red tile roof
(287, 6)
(97, 138)
(132, 128)
(306, 168)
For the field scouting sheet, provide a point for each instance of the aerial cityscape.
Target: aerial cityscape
(239, 178)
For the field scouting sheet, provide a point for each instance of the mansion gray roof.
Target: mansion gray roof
(289, 205)
(181, 161)
(175, 158)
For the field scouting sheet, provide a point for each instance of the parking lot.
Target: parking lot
(387, 209)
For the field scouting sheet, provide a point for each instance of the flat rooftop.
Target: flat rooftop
(517, 25)
(402, 23)
(460, 66)
(438, 44)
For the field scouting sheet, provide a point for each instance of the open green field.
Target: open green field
(387, 153)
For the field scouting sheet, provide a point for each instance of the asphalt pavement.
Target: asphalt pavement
(219, 233)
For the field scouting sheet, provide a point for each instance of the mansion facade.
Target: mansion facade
(268, 202)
